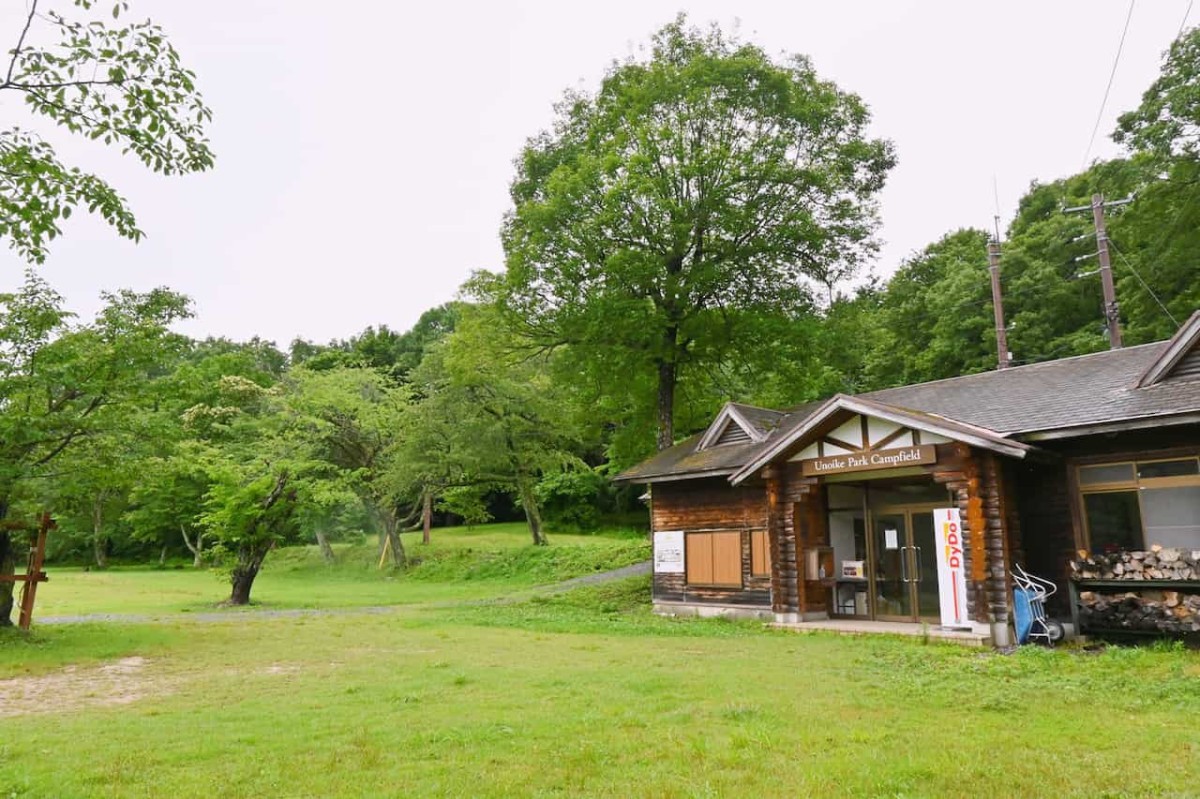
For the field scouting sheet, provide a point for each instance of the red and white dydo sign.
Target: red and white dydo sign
(952, 567)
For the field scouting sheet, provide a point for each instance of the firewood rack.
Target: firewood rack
(34, 562)
(1077, 586)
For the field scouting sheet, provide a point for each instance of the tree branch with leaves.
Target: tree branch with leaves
(122, 83)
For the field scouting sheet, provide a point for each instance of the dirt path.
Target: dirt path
(74, 688)
(244, 615)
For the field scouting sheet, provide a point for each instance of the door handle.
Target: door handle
(920, 568)
(904, 566)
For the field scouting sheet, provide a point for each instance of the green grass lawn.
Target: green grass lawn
(461, 563)
(505, 535)
(583, 693)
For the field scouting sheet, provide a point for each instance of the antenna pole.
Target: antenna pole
(1002, 354)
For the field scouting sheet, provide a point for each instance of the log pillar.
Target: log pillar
(1000, 535)
(785, 594)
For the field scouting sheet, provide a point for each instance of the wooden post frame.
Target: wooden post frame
(33, 569)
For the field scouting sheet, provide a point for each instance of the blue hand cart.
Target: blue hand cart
(1029, 605)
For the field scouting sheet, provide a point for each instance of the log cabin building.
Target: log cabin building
(827, 510)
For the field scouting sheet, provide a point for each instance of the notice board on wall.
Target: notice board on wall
(668, 552)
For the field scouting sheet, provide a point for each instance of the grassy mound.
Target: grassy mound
(519, 565)
(530, 565)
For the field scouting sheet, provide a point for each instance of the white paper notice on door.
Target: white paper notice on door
(891, 538)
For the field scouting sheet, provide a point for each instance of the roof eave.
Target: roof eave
(1122, 425)
(672, 477)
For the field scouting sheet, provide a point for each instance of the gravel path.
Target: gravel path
(636, 570)
(242, 615)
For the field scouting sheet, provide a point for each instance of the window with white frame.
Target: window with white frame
(1136, 504)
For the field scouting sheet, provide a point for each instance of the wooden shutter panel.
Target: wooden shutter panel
(727, 558)
(698, 552)
(760, 554)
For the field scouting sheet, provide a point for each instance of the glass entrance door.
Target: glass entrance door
(904, 564)
(893, 590)
(925, 584)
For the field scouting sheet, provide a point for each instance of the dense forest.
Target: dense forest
(699, 229)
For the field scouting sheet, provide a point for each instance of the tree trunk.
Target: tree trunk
(99, 542)
(326, 550)
(162, 557)
(532, 514)
(391, 534)
(667, 374)
(250, 559)
(426, 516)
(255, 546)
(8, 567)
(197, 549)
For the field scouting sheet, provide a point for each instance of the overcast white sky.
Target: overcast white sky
(364, 150)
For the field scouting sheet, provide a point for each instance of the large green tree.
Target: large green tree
(95, 75)
(490, 417)
(353, 420)
(694, 191)
(934, 319)
(62, 382)
(1159, 235)
(258, 466)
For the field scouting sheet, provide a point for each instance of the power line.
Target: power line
(1183, 22)
(1145, 285)
(1112, 74)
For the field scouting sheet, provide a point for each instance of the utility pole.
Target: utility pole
(993, 249)
(1112, 311)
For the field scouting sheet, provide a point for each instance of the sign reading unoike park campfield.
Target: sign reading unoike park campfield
(866, 461)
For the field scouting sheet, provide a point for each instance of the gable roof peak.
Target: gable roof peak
(1177, 349)
(731, 413)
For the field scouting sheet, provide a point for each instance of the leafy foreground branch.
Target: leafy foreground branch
(103, 79)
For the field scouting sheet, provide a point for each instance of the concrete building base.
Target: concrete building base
(706, 610)
(911, 629)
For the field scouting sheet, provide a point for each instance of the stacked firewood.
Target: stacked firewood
(1159, 563)
(1144, 607)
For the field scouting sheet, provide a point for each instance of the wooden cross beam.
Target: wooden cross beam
(33, 571)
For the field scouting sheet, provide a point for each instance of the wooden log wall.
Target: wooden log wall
(1048, 540)
(708, 504)
(796, 519)
(1012, 507)
(711, 505)
(785, 592)
(996, 497)
(810, 525)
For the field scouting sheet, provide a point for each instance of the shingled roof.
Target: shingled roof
(1052, 396)
(686, 460)
(764, 419)
(1054, 399)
